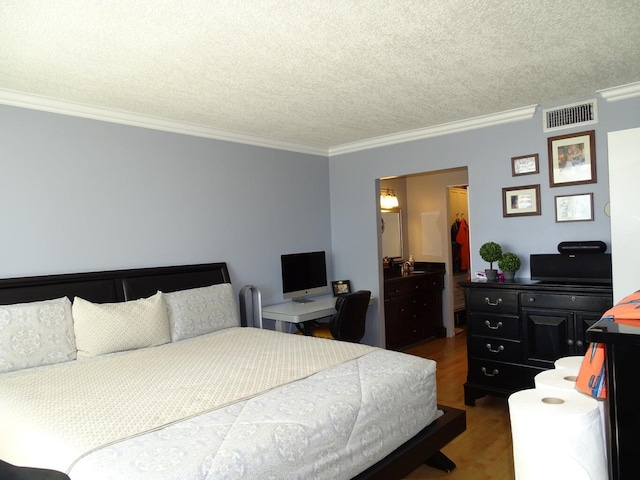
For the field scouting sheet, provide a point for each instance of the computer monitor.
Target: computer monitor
(303, 274)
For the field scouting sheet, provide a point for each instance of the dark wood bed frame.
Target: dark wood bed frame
(123, 285)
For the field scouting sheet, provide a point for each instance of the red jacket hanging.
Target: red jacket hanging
(463, 239)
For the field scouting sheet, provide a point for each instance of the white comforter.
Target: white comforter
(193, 409)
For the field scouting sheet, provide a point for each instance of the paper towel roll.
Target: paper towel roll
(571, 363)
(556, 435)
(563, 379)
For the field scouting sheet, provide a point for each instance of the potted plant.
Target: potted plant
(491, 252)
(509, 263)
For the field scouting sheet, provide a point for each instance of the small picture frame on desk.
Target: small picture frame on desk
(340, 287)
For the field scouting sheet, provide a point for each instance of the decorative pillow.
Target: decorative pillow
(113, 327)
(201, 310)
(36, 333)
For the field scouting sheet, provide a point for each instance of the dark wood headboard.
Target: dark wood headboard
(114, 285)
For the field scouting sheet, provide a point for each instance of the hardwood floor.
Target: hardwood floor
(484, 450)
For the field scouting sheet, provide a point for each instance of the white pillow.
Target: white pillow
(36, 333)
(201, 310)
(113, 327)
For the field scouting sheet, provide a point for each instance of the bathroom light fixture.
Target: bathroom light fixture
(388, 199)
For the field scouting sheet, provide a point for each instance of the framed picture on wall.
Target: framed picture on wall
(520, 201)
(340, 287)
(574, 208)
(572, 159)
(525, 165)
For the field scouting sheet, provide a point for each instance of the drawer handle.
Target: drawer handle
(498, 350)
(492, 374)
(489, 302)
(488, 324)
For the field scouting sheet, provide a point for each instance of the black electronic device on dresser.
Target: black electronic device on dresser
(517, 329)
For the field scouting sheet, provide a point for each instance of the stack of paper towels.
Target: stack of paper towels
(564, 378)
(557, 431)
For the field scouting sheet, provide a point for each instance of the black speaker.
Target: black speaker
(595, 246)
(571, 268)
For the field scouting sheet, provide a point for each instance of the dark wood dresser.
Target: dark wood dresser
(413, 307)
(622, 343)
(516, 329)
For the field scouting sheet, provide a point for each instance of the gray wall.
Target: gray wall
(84, 195)
(487, 154)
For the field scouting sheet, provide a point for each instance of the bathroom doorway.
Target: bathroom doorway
(423, 200)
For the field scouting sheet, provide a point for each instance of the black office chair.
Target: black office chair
(12, 472)
(348, 323)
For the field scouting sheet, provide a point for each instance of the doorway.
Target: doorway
(460, 225)
(426, 235)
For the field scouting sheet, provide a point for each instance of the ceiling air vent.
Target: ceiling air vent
(572, 115)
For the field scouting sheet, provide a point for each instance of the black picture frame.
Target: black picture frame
(341, 287)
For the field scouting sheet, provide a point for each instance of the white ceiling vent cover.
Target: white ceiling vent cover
(572, 115)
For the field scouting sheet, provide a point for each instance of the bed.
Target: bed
(142, 387)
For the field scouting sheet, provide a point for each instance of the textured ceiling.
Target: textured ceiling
(317, 73)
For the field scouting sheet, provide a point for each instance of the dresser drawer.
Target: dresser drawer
(495, 349)
(494, 301)
(433, 280)
(404, 287)
(495, 326)
(588, 303)
(401, 291)
(502, 376)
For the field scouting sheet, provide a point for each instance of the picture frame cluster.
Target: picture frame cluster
(572, 161)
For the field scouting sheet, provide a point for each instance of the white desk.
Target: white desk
(295, 312)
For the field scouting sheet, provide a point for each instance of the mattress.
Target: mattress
(239, 403)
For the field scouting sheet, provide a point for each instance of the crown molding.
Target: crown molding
(515, 115)
(630, 90)
(52, 105)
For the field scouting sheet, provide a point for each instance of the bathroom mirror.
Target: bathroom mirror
(391, 226)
